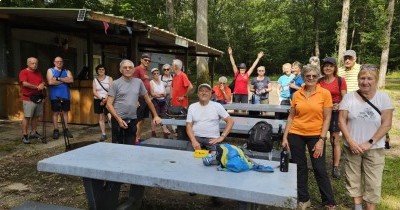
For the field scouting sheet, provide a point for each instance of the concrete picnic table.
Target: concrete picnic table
(170, 169)
(258, 107)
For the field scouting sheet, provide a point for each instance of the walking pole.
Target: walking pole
(64, 127)
(44, 137)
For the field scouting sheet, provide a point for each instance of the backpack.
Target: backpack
(231, 158)
(260, 137)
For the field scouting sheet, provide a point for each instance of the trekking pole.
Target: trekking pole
(64, 127)
(44, 137)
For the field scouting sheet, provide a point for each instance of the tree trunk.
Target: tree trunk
(316, 27)
(169, 5)
(343, 31)
(385, 50)
(202, 37)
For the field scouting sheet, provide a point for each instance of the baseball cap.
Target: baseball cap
(242, 66)
(204, 85)
(351, 53)
(154, 69)
(146, 55)
(329, 60)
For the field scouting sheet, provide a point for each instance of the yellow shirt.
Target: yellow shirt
(350, 76)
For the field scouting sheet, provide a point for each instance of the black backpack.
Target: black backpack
(260, 137)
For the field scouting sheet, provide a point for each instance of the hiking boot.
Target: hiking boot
(69, 135)
(103, 137)
(25, 139)
(35, 135)
(56, 134)
(387, 145)
(336, 172)
(303, 205)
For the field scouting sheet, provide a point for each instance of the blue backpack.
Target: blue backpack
(232, 158)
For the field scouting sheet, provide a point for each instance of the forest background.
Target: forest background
(286, 30)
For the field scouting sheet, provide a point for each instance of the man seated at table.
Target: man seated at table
(202, 123)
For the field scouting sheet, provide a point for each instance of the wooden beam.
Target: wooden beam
(106, 18)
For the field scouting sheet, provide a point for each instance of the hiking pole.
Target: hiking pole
(64, 127)
(44, 137)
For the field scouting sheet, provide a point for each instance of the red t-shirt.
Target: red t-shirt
(241, 84)
(333, 87)
(34, 78)
(140, 73)
(180, 84)
(218, 93)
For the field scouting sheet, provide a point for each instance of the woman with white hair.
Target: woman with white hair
(167, 79)
(222, 92)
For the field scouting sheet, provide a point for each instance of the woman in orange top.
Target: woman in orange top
(306, 126)
(221, 92)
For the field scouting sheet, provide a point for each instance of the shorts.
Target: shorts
(99, 109)
(240, 98)
(160, 106)
(32, 109)
(364, 173)
(143, 110)
(334, 126)
(204, 143)
(56, 106)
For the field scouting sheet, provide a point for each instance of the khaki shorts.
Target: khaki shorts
(264, 101)
(364, 173)
(31, 109)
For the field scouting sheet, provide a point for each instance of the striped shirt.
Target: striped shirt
(350, 76)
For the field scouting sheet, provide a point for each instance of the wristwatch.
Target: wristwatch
(371, 141)
(223, 135)
(323, 138)
(58, 78)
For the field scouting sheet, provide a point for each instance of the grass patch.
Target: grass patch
(393, 75)
(390, 185)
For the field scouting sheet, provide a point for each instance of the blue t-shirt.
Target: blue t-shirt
(284, 81)
(60, 90)
(298, 81)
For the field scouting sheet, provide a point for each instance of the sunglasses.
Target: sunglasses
(311, 76)
(147, 60)
(166, 69)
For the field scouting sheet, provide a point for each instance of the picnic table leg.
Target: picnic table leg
(101, 194)
(247, 206)
(181, 131)
(135, 198)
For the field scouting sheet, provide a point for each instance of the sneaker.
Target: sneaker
(303, 205)
(56, 134)
(103, 137)
(69, 135)
(26, 140)
(336, 172)
(35, 135)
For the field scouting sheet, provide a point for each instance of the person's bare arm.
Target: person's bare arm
(319, 146)
(68, 79)
(189, 131)
(228, 127)
(259, 56)
(234, 67)
(110, 108)
(384, 128)
(354, 147)
(285, 142)
(156, 118)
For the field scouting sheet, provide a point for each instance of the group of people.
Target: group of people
(322, 98)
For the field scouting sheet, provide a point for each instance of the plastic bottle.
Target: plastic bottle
(284, 167)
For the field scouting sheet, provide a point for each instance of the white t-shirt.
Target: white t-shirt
(205, 119)
(100, 90)
(158, 88)
(363, 120)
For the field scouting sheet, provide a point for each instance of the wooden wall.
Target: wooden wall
(82, 111)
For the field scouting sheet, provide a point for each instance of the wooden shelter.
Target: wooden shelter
(84, 38)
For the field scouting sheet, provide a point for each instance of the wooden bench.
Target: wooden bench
(169, 169)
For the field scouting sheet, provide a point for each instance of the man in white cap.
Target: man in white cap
(202, 123)
(350, 70)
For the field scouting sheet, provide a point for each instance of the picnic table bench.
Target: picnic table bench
(170, 169)
(187, 146)
(257, 107)
(240, 128)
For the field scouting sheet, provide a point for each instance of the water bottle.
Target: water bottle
(284, 167)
